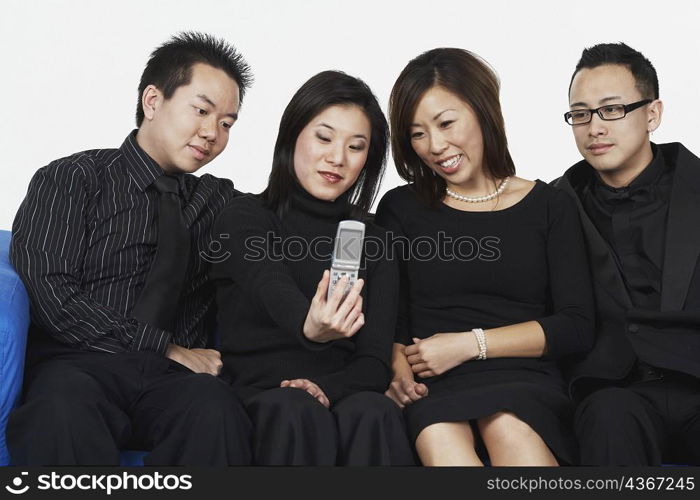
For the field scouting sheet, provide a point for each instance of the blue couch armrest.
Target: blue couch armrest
(14, 324)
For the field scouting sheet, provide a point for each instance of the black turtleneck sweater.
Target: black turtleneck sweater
(267, 275)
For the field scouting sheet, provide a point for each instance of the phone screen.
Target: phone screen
(348, 245)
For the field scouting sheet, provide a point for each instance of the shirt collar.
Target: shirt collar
(646, 178)
(142, 168)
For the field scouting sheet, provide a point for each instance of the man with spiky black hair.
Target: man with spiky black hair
(110, 246)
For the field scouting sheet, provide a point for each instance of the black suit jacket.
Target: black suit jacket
(670, 337)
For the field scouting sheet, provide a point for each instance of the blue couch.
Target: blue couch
(14, 324)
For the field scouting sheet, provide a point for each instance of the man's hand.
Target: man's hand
(197, 360)
(308, 386)
(441, 352)
(330, 319)
(404, 391)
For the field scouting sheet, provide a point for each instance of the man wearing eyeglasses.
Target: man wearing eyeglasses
(639, 387)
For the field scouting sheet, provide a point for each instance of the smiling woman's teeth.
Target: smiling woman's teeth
(451, 162)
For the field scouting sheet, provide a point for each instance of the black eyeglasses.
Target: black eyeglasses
(609, 112)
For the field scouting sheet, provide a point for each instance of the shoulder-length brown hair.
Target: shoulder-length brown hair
(471, 79)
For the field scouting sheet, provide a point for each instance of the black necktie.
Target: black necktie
(160, 295)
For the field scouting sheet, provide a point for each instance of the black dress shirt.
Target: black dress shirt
(83, 242)
(632, 220)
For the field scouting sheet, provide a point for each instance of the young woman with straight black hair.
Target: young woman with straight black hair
(312, 370)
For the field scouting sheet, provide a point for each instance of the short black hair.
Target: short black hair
(321, 91)
(619, 53)
(170, 65)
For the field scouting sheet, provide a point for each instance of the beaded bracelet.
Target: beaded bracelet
(481, 340)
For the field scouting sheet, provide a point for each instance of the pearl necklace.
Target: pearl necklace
(479, 199)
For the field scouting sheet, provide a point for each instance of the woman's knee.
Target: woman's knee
(505, 428)
(287, 403)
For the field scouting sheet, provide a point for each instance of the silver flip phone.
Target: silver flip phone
(347, 252)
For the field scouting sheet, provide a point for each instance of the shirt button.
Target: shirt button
(633, 328)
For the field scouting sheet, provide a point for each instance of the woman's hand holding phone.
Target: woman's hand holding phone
(336, 318)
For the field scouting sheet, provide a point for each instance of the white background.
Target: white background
(70, 68)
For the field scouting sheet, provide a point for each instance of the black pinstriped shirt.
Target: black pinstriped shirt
(83, 242)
